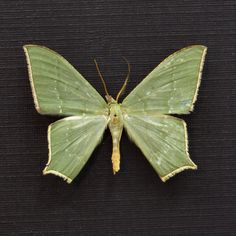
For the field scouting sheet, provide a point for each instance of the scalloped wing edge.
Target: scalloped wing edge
(54, 172)
(182, 168)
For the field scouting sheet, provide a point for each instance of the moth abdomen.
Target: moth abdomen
(116, 128)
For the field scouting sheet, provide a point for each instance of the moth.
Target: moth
(146, 113)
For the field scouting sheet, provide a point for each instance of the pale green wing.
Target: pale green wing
(163, 140)
(171, 88)
(71, 142)
(58, 88)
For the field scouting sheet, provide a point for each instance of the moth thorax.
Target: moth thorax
(115, 113)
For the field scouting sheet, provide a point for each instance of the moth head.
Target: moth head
(110, 99)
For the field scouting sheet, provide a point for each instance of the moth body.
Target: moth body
(116, 127)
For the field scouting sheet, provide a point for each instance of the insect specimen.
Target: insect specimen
(146, 113)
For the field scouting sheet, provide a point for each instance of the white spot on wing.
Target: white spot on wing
(170, 110)
(126, 117)
(158, 161)
(180, 60)
(60, 109)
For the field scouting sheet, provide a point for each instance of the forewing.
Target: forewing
(58, 88)
(163, 140)
(71, 142)
(171, 88)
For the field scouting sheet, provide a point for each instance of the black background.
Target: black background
(135, 201)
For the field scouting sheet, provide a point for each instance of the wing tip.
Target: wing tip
(173, 173)
(56, 173)
(26, 46)
(198, 45)
(31, 45)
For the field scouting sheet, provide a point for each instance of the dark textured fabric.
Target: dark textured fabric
(135, 201)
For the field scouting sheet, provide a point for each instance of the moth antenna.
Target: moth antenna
(125, 83)
(100, 75)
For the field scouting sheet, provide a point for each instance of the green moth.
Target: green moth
(171, 88)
